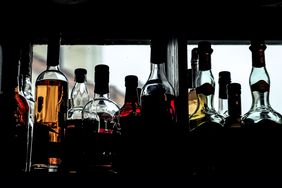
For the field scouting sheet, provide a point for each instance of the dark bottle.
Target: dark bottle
(130, 122)
(14, 113)
(50, 112)
(261, 112)
(192, 95)
(101, 125)
(262, 124)
(25, 85)
(73, 140)
(223, 80)
(205, 124)
(158, 114)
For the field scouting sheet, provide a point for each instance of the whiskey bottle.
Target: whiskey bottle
(73, 139)
(14, 113)
(50, 112)
(223, 80)
(101, 125)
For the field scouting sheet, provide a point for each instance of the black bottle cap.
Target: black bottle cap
(204, 50)
(224, 77)
(234, 88)
(195, 54)
(80, 75)
(131, 81)
(101, 79)
(159, 50)
(257, 44)
(205, 46)
(53, 49)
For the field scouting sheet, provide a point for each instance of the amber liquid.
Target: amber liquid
(50, 117)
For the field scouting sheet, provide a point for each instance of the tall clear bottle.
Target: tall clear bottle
(223, 80)
(101, 124)
(261, 112)
(14, 113)
(73, 140)
(50, 112)
(158, 114)
(130, 122)
(205, 124)
(192, 95)
(25, 84)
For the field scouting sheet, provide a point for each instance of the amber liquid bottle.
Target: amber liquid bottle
(73, 139)
(130, 122)
(14, 114)
(158, 115)
(51, 96)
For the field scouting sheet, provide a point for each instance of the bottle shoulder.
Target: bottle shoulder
(52, 75)
(157, 86)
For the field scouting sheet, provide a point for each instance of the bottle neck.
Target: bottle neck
(223, 107)
(157, 72)
(205, 88)
(131, 95)
(102, 95)
(234, 105)
(195, 69)
(79, 95)
(53, 67)
(260, 86)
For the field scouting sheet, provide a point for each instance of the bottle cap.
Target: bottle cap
(131, 81)
(224, 77)
(158, 50)
(205, 46)
(234, 88)
(80, 75)
(101, 78)
(257, 44)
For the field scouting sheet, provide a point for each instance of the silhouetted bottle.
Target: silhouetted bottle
(158, 114)
(192, 95)
(25, 85)
(73, 141)
(101, 125)
(130, 122)
(50, 112)
(262, 124)
(223, 80)
(261, 112)
(205, 124)
(14, 113)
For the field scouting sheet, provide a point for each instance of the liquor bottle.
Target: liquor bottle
(101, 123)
(223, 80)
(262, 124)
(14, 113)
(158, 114)
(233, 120)
(205, 86)
(25, 85)
(261, 112)
(50, 112)
(192, 95)
(130, 122)
(205, 124)
(73, 139)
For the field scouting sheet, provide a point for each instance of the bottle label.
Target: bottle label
(260, 86)
(206, 89)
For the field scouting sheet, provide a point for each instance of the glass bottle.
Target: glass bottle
(192, 95)
(223, 80)
(73, 140)
(130, 122)
(205, 124)
(50, 112)
(158, 114)
(25, 85)
(101, 124)
(205, 86)
(14, 113)
(261, 112)
(233, 120)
